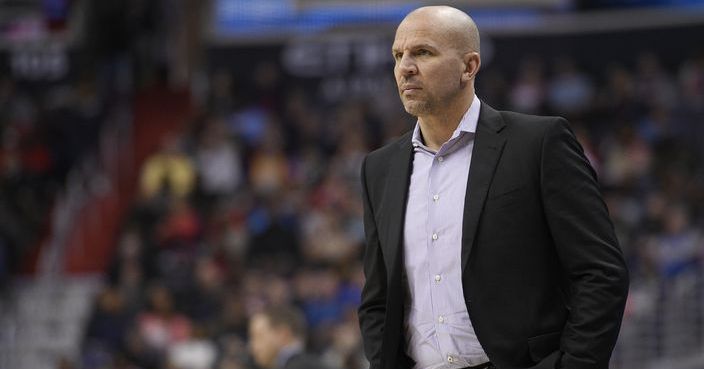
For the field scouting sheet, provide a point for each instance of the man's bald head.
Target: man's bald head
(459, 29)
(436, 53)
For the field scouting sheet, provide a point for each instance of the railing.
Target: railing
(43, 318)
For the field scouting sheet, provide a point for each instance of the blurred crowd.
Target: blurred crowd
(45, 131)
(258, 205)
(54, 104)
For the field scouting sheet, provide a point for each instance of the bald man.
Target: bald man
(488, 244)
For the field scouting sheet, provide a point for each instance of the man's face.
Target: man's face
(428, 66)
(264, 341)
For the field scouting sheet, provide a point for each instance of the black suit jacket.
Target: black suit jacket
(543, 277)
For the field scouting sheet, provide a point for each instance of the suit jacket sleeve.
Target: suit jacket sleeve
(587, 248)
(372, 309)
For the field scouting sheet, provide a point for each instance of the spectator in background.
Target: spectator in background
(678, 249)
(132, 265)
(203, 300)
(617, 100)
(268, 168)
(528, 92)
(653, 84)
(628, 158)
(218, 161)
(107, 328)
(163, 327)
(197, 352)
(691, 80)
(221, 99)
(168, 171)
(569, 91)
(277, 339)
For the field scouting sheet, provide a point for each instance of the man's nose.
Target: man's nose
(407, 66)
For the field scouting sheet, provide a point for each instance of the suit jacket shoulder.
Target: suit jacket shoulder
(526, 126)
(379, 156)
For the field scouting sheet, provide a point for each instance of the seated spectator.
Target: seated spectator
(169, 171)
(570, 91)
(268, 168)
(198, 352)
(677, 250)
(108, 324)
(218, 161)
(528, 92)
(163, 327)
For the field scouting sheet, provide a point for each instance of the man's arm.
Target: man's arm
(372, 310)
(587, 248)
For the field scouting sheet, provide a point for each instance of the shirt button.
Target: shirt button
(435, 236)
(436, 197)
(440, 159)
(437, 278)
(450, 359)
(441, 319)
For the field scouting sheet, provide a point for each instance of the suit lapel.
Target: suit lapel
(396, 195)
(488, 146)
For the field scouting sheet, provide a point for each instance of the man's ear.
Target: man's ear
(471, 61)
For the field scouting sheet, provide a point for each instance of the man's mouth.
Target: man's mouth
(409, 88)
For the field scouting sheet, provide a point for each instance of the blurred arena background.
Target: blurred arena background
(169, 167)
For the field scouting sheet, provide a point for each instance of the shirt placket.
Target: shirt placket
(437, 240)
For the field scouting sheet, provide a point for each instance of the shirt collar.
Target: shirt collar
(468, 123)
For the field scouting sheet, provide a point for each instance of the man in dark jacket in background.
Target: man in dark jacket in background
(277, 339)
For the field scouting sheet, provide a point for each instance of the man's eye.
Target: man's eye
(423, 52)
(398, 56)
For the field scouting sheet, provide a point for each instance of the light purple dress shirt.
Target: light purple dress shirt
(439, 333)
